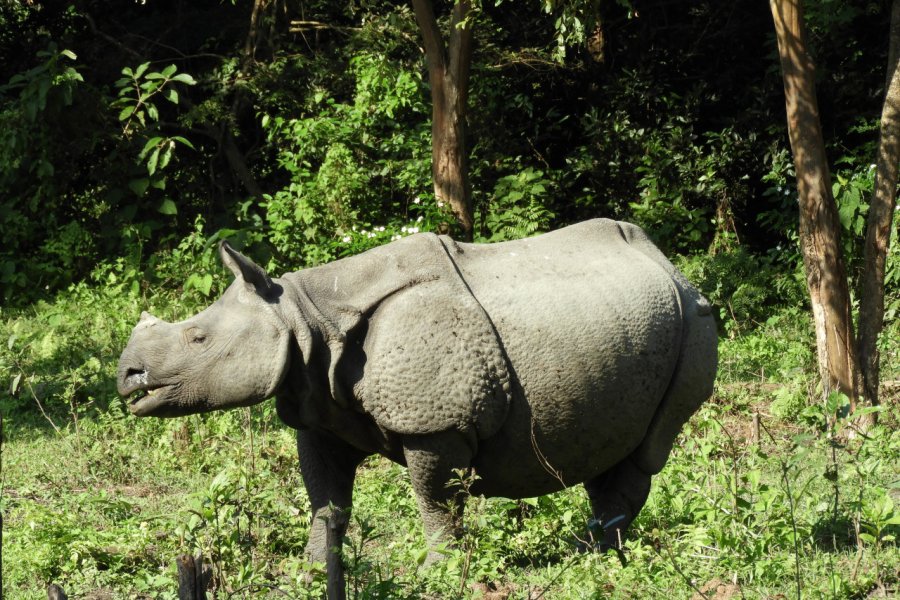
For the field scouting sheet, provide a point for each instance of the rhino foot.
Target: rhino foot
(606, 537)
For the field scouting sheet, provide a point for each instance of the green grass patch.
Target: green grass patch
(102, 503)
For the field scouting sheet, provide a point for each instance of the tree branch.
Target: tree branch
(109, 38)
(435, 52)
(460, 49)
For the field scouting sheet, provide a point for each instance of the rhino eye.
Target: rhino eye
(195, 336)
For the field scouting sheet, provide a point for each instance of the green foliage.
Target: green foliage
(139, 117)
(107, 501)
(519, 208)
(781, 348)
(745, 288)
(31, 106)
(340, 190)
(658, 168)
(59, 215)
(118, 181)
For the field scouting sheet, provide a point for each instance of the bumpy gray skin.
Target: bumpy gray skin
(571, 357)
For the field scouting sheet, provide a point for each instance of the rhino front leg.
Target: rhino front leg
(328, 466)
(617, 496)
(432, 461)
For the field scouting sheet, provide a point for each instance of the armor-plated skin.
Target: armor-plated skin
(571, 357)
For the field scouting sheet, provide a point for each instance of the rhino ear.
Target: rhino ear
(245, 269)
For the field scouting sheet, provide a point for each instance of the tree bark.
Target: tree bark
(879, 220)
(193, 577)
(448, 75)
(826, 276)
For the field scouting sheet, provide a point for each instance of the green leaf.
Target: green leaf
(139, 186)
(172, 95)
(204, 284)
(150, 87)
(126, 113)
(151, 162)
(182, 140)
(12, 340)
(152, 112)
(69, 54)
(184, 78)
(169, 71)
(14, 386)
(151, 143)
(168, 207)
(166, 155)
(140, 70)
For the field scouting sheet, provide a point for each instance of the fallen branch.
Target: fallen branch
(301, 26)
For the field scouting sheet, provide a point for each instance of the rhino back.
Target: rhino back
(591, 329)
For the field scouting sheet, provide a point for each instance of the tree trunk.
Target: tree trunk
(448, 74)
(193, 577)
(878, 226)
(826, 276)
(254, 34)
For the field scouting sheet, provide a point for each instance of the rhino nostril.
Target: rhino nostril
(136, 376)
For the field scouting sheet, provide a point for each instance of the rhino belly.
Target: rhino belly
(591, 357)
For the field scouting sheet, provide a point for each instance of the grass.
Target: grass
(102, 503)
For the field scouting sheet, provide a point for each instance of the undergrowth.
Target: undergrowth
(765, 495)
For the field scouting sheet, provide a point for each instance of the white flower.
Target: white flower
(379, 228)
(440, 204)
(371, 235)
(346, 239)
(416, 200)
(414, 230)
(419, 220)
(403, 229)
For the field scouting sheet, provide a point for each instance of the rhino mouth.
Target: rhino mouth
(144, 401)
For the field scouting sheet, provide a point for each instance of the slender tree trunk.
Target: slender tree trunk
(826, 276)
(254, 34)
(448, 74)
(878, 227)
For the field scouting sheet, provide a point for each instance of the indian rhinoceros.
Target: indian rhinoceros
(571, 357)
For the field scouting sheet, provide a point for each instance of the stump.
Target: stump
(193, 577)
(336, 588)
(54, 592)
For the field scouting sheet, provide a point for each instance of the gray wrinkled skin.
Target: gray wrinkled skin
(571, 357)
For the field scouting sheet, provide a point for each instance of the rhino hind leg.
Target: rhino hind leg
(616, 496)
(619, 494)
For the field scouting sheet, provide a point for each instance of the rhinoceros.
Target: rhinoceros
(571, 357)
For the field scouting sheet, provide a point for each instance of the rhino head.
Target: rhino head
(234, 353)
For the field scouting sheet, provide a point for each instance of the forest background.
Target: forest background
(135, 136)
